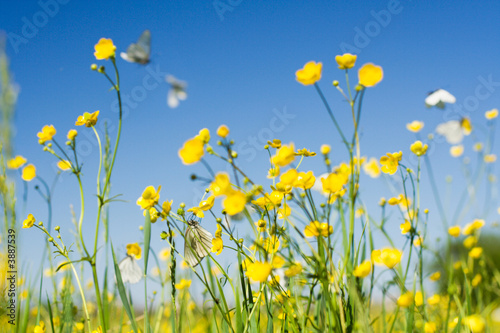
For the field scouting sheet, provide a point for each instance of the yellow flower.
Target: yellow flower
(305, 180)
(473, 226)
(166, 208)
(48, 131)
(16, 162)
(390, 162)
(491, 114)
(223, 131)
(476, 280)
(372, 168)
(388, 257)
(192, 151)
(475, 323)
(259, 271)
(435, 276)
(293, 270)
(164, 254)
(197, 211)
(208, 203)
(456, 151)
(183, 284)
(64, 165)
(470, 241)
(149, 197)
(261, 225)
(134, 250)
(430, 327)
(79, 326)
(71, 134)
(284, 156)
(346, 61)
(325, 149)
(217, 245)
(104, 49)
(466, 125)
(275, 143)
(221, 184)
(30, 220)
(304, 152)
(271, 244)
(490, 158)
(476, 252)
(87, 119)
(415, 126)
(418, 241)
(315, 229)
(369, 75)
(29, 172)
(405, 300)
(284, 211)
(153, 214)
(405, 227)
(363, 269)
(418, 148)
(204, 135)
(40, 328)
(419, 298)
(277, 261)
(434, 299)
(289, 177)
(454, 231)
(334, 182)
(310, 73)
(234, 203)
(273, 172)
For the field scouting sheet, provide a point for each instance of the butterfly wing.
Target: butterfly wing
(172, 99)
(139, 53)
(197, 244)
(452, 131)
(438, 98)
(130, 270)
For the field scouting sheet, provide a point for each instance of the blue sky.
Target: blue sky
(240, 67)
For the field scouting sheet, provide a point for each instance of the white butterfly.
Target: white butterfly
(177, 91)
(130, 270)
(197, 243)
(139, 53)
(438, 98)
(454, 130)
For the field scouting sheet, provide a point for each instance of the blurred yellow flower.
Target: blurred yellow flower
(334, 182)
(363, 269)
(221, 184)
(64, 165)
(261, 225)
(217, 245)
(310, 73)
(456, 151)
(315, 229)
(87, 119)
(415, 126)
(48, 131)
(454, 231)
(183, 284)
(208, 203)
(284, 156)
(277, 262)
(372, 168)
(305, 180)
(164, 253)
(419, 298)
(434, 299)
(204, 135)
(388, 256)
(223, 131)
(72, 133)
(430, 327)
(28, 223)
(275, 143)
(473, 226)
(40, 328)
(405, 227)
(258, 271)
(470, 241)
(234, 203)
(325, 149)
(369, 75)
(418, 241)
(28, 173)
(79, 326)
(293, 270)
(418, 148)
(405, 300)
(192, 151)
(466, 125)
(476, 280)
(305, 152)
(491, 114)
(104, 49)
(149, 197)
(490, 158)
(476, 252)
(16, 162)
(197, 211)
(273, 172)
(289, 177)
(166, 207)
(271, 244)
(134, 250)
(390, 162)
(475, 323)
(153, 214)
(284, 211)
(435, 276)
(346, 61)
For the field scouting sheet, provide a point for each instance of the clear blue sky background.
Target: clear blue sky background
(239, 69)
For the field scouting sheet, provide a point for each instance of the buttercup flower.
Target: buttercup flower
(192, 151)
(390, 162)
(363, 269)
(183, 284)
(325, 149)
(134, 250)
(405, 227)
(418, 148)
(223, 131)
(490, 158)
(197, 211)
(473, 226)
(16, 162)
(259, 271)
(405, 300)
(346, 60)
(454, 231)
(273, 172)
(149, 197)
(372, 168)
(234, 203)
(261, 225)
(166, 207)
(48, 131)
(293, 270)
(435, 276)
(87, 119)
(304, 152)
(419, 298)
(64, 165)
(284, 156)
(305, 180)
(29, 172)
(369, 75)
(334, 182)
(310, 73)
(475, 323)
(72, 134)
(217, 243)
(104, 49)
(28, 223)
(315, 229)
(221, 184)
(476, 252)
(430, 327)
(456, 151)
(492, 114)
(204, 135)
(415, 126)
(388, 257)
